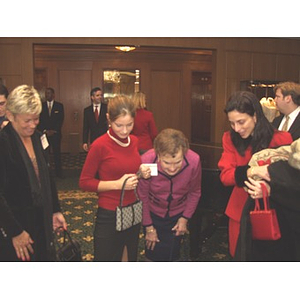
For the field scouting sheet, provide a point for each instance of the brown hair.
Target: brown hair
(170, 141)
(289, 88)
(120, 105)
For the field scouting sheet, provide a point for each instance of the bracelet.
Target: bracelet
(150, 230)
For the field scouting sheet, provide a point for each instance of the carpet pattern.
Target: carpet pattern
(79, 209)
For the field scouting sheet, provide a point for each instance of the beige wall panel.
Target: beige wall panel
(288, 68)
(238, 65)
(166, 89)
(10, 59)
(74, 86)
(11, 81)
(264, 66)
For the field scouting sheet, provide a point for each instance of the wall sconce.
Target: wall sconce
(125, 48)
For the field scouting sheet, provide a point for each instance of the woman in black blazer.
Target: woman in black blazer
(29, 206)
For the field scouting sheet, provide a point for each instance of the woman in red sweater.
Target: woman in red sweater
(250, 132)
(112, 158)
(144, 124)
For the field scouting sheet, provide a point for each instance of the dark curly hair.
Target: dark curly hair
(248, 103)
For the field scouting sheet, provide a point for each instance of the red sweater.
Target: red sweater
(144, 128)
(109, 161)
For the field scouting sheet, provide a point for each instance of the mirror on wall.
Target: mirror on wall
(120, 82)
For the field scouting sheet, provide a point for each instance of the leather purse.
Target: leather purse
(264, 221)
(130, 215)
(69, 249)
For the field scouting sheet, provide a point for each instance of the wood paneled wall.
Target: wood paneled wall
(234, 60)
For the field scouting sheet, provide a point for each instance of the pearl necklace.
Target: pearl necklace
(119, 142)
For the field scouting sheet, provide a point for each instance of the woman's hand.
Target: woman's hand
(22, 244)
(254, 188)
(181, 227)
(151, 237)
(58, 220)
(144, 172)
(131, 183)
(259, 171)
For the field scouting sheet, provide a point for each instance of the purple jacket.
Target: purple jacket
(164, 194)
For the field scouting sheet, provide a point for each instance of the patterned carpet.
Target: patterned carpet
(79, 209)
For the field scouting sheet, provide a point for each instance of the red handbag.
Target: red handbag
(264, 221)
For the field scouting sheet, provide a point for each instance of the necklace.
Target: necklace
(119, 142)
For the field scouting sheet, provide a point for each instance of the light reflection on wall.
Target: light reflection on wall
(120, 82)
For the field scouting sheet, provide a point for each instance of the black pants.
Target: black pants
(55, 144)
(168, 247)
(109, 243)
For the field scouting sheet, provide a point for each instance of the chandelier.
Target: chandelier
(125, 48)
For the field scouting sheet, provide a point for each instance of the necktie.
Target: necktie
(286, 123)
(49, 108)
(96, 114)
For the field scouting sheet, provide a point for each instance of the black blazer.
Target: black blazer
(91, 129)
(16, 200)
(55, 121)
(294, 129)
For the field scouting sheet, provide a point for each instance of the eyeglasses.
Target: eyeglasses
(2, 103)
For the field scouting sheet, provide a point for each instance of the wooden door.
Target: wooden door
(166, 98)
(74, 91)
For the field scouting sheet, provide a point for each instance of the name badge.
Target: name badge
(44, 141)
(153, 169)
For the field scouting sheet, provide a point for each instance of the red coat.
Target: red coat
(231, 159)
(144, 128)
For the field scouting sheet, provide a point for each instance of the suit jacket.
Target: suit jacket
(184, 189)
(16, 199)
(91, 129)
(55, 121)
(294, 129)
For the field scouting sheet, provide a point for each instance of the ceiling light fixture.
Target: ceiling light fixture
(125, 48)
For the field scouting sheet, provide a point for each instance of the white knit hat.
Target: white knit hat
(294, 158)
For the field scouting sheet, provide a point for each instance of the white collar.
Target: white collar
(293, 115)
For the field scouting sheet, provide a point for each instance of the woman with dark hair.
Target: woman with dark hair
(250, 132)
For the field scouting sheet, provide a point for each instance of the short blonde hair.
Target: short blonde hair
(139, 100)
(24, 99)
(170, 141)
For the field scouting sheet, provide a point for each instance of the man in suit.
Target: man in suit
(51, 121)
(94, 118)
(287, 98)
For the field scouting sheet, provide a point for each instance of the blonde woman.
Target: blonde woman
(29, 206)
(144, 124)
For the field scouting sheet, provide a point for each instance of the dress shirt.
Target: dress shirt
(293, 115)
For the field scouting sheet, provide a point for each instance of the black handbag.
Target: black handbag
(130, 215)
(69, 249)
